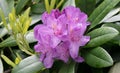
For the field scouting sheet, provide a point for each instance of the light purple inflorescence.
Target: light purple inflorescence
(61, 35)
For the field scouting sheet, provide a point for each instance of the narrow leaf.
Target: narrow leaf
(100, 12)
(4, 6)
(20, 5)
(10, 4)
(8, 61)
(113, 19)
(27, 20)
(29, 65)
(47, 6)
(3, 18)
(52, 4)
(110, 14)
(10, 41)
(38, 8)
(26, 25)
(59, 4)
(97, 57)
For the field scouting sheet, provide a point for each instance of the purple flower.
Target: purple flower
(61, 35)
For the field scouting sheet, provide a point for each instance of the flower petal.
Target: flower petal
(48, 62)
(55, 13)
(63, 51)
(38, 47)
(36, 29)
(84, 40)
(42, 57)
(44, 17)
(79, 59)
(74, 49)
(54, 41)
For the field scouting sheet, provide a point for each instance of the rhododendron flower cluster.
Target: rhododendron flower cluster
(61, 35)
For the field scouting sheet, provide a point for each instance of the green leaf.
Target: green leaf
(116, 40)
(27, 20)
(59, 4)
(3, 32)
(47, 6)
(26, 25)
(110, 14)
(115, 18)
(10, 41)
(2, 15)
(38, 8)
(68, 68)
(1, 66)
(69, 3)
(113, 25)
(101, 35)
(30, 64)
(86, 5)
(100, 12)
(30, 37)
(8, 61)
(115, 68)
(97, 57)
(35, 19)
(4, 6)
(21, 4)
(52, 4)
(10, 4)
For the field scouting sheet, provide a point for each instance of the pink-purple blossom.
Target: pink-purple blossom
(61, 35)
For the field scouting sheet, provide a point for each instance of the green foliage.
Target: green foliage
(99, 13)
(69, 3)
(5, 6)
(3, 18)
(8, 61)
(21, 4)
(86, 5)
(18, 18)
(38, 8)
(101, 35)
(97, 57)
(68, 68)
(10, 41)
(116, 40)
(3, 32)
(29, 65)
